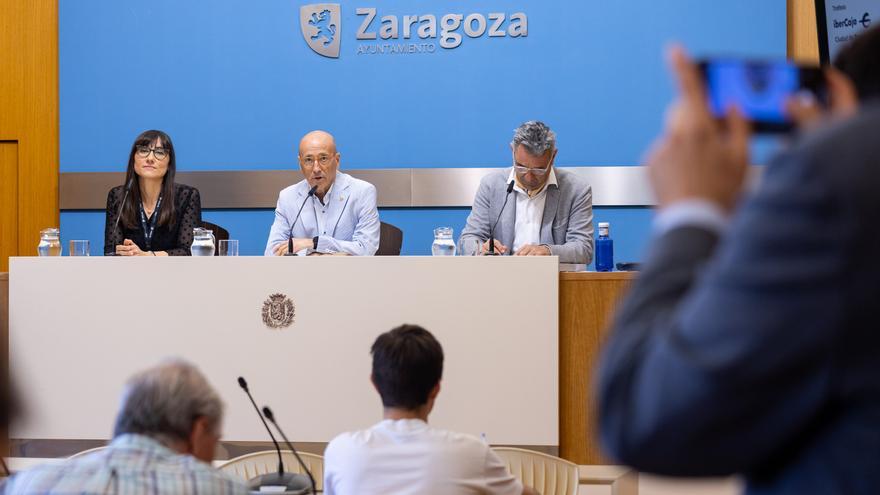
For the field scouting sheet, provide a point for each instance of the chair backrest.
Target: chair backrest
(88, 451)
(390, 240)
(259, 463)
(220, 234)
(547, 474)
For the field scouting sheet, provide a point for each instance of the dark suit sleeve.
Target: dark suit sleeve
(112, 233)
(190, 217)
(720, 358)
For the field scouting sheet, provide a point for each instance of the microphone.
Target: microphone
(290, 233)
(271, 417)
(119, 211)
(492, 230)
(124, 197)
(291, 483)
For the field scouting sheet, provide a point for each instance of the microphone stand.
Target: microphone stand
(290, 233)
(491, 251)
(293, 484)
(271, 417)
(121, 205)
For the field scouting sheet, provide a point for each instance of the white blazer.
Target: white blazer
(351, 221)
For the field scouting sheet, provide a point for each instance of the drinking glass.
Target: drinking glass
(79, 248)
(228, 247)
(469, 246)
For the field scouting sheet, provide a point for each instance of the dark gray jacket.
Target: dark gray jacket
(759, 352)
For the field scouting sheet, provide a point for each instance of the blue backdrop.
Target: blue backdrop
(235, 85)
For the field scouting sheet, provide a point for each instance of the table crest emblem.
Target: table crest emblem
(278, 311)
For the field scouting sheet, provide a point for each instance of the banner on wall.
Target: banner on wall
(390, 33)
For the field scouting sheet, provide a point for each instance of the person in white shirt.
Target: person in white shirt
(402, 454)
(533, 208)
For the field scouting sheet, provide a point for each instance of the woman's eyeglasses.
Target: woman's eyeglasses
(159, 153)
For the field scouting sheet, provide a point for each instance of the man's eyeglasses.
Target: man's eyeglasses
(309, 161)
(159, 153)
(539, 172)
(522, 169)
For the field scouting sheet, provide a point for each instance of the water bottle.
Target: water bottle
(443, 244)
(604, 249)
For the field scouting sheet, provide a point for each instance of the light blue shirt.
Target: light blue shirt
(346, 222)
(130, 465)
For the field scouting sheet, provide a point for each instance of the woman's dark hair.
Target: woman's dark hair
(860, 61)
(407, 364)
(167, 210)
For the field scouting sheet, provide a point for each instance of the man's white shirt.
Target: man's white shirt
(408, 456)
(529, 212)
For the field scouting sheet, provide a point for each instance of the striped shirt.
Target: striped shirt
(130, 465)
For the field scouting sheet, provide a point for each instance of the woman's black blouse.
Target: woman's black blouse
(175, 238)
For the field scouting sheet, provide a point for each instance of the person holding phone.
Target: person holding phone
(151, 215)
(748, 343)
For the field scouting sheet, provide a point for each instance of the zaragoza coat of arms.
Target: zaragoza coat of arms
(278, 311)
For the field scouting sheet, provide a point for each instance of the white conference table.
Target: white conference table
(80, 326)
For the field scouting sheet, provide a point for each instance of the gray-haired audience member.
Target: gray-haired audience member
(402, 454)
(166, 431)
(549, 212)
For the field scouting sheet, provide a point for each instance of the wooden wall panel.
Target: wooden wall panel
(803, 44)
(586, 304)
(4, 353)
(29, 117)
(8, 202)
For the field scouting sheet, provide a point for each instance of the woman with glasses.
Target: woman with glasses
(151, 215)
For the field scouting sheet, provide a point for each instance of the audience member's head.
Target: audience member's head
(174, 404)
(407, 367)
(860, 62)
(853, 81)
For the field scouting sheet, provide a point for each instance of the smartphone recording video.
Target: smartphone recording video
(760, 88)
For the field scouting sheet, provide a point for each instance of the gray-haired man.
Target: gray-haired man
(166, 431)
(551, 213)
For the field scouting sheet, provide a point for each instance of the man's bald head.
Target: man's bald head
(317, 139)
(319, 160)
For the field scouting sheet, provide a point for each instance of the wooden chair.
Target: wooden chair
(547, 474)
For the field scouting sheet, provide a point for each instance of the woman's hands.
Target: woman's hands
(129, 248)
